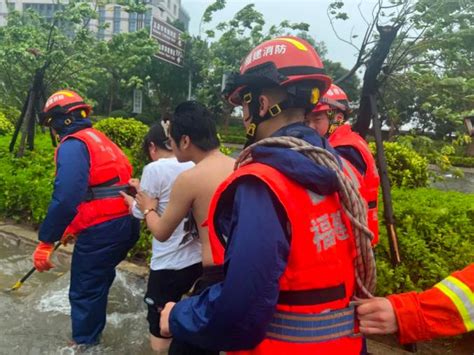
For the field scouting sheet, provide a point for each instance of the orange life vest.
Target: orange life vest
(344, 136)
(108, 167)
(321, 260)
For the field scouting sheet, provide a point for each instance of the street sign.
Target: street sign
(137, 101)
(169, 41)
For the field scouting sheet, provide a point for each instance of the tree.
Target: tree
(413, 37)
(37, 54)
(122, 64)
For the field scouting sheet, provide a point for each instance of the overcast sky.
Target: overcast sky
(312, 12)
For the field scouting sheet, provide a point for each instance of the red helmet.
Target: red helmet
(334, 99)
(282, 61)
(64, 102)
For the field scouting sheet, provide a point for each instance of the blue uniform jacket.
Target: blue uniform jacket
(234, 314)
(70, 184)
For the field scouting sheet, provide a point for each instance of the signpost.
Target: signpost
(137, 101)
(170, 42)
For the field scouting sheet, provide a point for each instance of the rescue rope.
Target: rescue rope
(352, 202)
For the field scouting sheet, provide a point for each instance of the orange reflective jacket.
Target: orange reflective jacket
(447, 309)
(108, 167)
(344, 136)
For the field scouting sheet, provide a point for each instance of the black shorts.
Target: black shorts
(167, 286)
(211, 275)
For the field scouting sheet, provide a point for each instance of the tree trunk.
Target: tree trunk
(26, 122)
(111, 99)
(370, 86)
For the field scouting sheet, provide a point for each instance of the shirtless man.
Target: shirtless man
(193, 137)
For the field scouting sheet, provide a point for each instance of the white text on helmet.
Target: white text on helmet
(54, 99)
(265, 51)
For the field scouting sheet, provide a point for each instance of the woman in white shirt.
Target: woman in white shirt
(175, 264)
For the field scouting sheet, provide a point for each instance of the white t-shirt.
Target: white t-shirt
(183, 248)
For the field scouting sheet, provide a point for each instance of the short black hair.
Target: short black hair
(157, 136)
(193, 119)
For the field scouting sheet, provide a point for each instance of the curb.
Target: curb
(30, 236)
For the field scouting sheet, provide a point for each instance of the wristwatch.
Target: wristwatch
(148, 210)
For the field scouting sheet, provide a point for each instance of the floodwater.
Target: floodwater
(35, 318)
(452, 183)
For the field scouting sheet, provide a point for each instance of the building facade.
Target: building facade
(112, 18)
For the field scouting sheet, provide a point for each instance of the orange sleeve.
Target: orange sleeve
(429, 314)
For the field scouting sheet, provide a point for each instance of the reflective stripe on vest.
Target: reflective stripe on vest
(462, 297)
(312, 328)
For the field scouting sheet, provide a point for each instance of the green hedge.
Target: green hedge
(436, 236)
(11, 113)
(234, 139)
(6, 127)
(125, 132)
(467, 162)
(406, 168)
(26, 183)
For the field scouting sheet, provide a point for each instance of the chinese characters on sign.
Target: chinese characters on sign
(169, 41)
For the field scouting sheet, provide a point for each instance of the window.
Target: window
(100, 32)
(148, 18)
(132, 22)
(117, 19)
(140, 21)
(175, 10)
(169, 4)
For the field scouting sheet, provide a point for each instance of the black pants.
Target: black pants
(211, 275)
(167, 286)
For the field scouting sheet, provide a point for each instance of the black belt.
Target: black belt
(313, 296)
(98, 193)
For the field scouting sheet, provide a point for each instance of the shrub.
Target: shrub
(234, 139)
(467, 162)
(406, 168)
(119, 113)
(6, 127)
(11, 113)
(126, 133)
(436, 236)
(148, 119)
(26, 183)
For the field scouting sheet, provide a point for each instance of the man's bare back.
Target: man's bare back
(202, 181)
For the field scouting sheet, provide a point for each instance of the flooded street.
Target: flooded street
(35, 318)
(464, 184)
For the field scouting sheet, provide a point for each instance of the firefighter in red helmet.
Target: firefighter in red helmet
(86, 205)
(276, 224)
(329, 119)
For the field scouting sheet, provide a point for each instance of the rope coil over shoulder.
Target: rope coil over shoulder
(352, 203)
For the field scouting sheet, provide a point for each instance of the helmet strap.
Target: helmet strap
(334, 122)
(254, 110)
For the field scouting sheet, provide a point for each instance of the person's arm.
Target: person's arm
(354, 157)
(181, 200)
(447, 309)
(235, 313)
(150, 182)
(70, 187)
